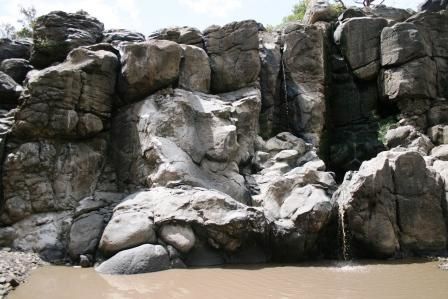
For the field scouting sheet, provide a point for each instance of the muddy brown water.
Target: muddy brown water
(324, 280)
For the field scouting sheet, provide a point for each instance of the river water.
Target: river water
(325, 280)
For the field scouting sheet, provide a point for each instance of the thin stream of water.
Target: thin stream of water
(285, 93)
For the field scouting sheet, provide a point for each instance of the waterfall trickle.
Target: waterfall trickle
(285, 90)
(343, 229)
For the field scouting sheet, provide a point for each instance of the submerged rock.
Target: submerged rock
(143, 259)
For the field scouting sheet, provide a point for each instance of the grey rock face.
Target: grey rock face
(233, 52)
(304, 61)
(44, 233)
(438, 134)
(440, 152)
(115, 36)
(9, 91)
(14, 49)
(359, 39)
(351, 12)
(72, 99)
(147, 67)
(85, 233)
(126, 230)
(408, 137)
(415, 79)
(402, 43)
(58, 32)
(143, 259)
(295, 194)
(195, 72)
(49, 176)
(389, 13)
(16, 68)
(433, 5)
(394, 205)
(181, 35)
(186, 138)
(270, 80)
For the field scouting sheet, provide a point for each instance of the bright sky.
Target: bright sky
(150, 15)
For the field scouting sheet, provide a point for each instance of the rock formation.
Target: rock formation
(190, 148)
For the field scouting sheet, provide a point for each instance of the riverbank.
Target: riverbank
(15, 268)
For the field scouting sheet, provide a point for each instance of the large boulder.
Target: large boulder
(395, 205)
(72, 99)
(298, 208)
(125, 230)
(393, 14)
(147, 67)
(180, 137)
(221, 221)
(304, 57)
(195, 72)
(435, 25)
(180, 237)
(319, 10)
(85, 234)
(19, 48)
(233, 52)
(181, 35)
(359, 40)
(416, 79)
(57, 33)
(116, 36)
(16, 68)
(402, 43)
(9, 92)
(408, 137)
(143, 259)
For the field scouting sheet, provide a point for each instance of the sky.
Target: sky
(146, 16)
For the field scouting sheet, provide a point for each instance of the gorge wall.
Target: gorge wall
(229, 145)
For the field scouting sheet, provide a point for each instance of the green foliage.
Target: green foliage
(385, 125)
(298, 12)
(7, 31)
(338, 9)
(27, 20)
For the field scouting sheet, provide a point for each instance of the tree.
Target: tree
(298, 12)
(7, 31)
(27, 21)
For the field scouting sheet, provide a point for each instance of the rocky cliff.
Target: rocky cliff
(190, 148)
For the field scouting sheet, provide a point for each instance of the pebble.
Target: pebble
(15, 267)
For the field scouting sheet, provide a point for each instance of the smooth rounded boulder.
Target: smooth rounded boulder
(143, 259)
(180, 237)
